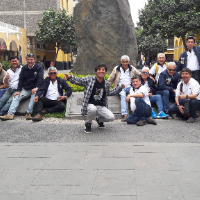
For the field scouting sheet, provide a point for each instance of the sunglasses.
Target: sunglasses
(30, 55)
(145, 72)
(171, 70)
(53, 73)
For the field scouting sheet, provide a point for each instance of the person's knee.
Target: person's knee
(165, 92)
(111, 117)
(92, 109)
(62, 107)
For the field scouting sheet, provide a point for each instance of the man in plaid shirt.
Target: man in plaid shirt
(95, 97)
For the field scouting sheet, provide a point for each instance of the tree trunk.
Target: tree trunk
(57, 47)
(184, 43)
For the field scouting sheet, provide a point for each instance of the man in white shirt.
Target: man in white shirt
(49, 97)
(122, 74)
(158, 67)
(11, 79)
(191, 92)
(190, 58)
(140, 104)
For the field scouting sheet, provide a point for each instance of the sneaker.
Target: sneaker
(7, 117)
(170, 116)
(162, 115)
(153, 114)
(87, 128)
(28, 116)
(191, 120)
(141, 123)
(37, 118)
(124, 118)
(100, 124)
(151, 121)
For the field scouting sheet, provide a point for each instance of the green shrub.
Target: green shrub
(6, 65)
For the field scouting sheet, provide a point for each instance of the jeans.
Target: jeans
(51, 106)
(158, 100)
(2, 91)
(6, 101)
(142, 112)
(103, 114)
(123, 94)
(194, 106)
(24, 94)
(166, 95)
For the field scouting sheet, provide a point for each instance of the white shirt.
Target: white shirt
(192, 87)
(52, 92)
(142, 89)
(160, 69)
(147, 86)
(125, 78)
(14, 77)
(192, 61)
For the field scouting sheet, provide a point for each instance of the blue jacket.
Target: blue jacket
(151, 84)
(167, 82)
(180, 66)
(30, 78)
(62, 85)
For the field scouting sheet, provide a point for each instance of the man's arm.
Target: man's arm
(75, 80)
(180, 65)
(4, 86)
(140, 95)
(67, 88)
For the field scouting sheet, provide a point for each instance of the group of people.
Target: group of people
(152, 86)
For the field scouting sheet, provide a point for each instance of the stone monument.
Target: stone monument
(104, 32)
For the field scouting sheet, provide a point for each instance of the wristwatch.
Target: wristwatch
(186, 96)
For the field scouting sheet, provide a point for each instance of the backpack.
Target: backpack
(158, 67)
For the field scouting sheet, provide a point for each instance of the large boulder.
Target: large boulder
(104, 32)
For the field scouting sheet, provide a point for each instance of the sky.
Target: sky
(135, 5)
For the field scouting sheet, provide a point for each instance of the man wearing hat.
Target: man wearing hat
(190, 58)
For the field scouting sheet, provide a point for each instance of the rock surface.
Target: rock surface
(104, 32)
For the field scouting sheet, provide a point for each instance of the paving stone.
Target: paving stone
(101, 197)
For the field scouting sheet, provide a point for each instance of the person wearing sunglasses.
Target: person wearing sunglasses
(167, 85)
(50, 97)
(154, 98)
(122, 75)
(30, 79)
(190, 58)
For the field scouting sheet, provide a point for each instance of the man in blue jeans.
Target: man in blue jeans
(122, 74)
(140, 104)
(11, 78)
(154, 98)
(30, 79)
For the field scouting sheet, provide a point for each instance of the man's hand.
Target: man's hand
(152, 78)
(174, 90)
(34, 90)
(181, 109)
(150, 94)
(123, 86)
(182, 96)
(61, 98)
(67, 76)
(128, 98)
(36, 99)
(16, 93)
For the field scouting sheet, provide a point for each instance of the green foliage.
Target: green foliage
(57, 28)
(170, 18)
(150, 44)
(6, 65)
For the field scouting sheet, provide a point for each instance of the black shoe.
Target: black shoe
(141, 123)
(191, 120)
(100, 124)
(87, 128)
(151, 121)
(170, 114)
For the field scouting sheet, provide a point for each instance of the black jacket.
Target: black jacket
(151, 84)
(62, 85)
(167, 82)
(30, 78)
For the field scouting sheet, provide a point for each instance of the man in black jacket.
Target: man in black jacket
(49, 96)
(30, 79)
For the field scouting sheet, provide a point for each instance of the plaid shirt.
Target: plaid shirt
(88, 83)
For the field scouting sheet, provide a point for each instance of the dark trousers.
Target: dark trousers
(196, 75)
(50, 106)
(194, 106)
(142, 112)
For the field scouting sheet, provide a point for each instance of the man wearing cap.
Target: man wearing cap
(3, 86)
(122, 74)
(30, 79)
(190, 58)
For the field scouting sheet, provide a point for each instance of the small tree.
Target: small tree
(57, 28)
(170, 18)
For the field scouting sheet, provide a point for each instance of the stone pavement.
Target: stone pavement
(58, 161)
